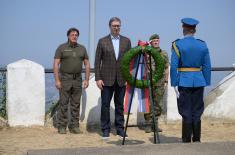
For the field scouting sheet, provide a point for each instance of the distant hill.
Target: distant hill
(52, 94)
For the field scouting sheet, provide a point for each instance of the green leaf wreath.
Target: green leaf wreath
(132, 53)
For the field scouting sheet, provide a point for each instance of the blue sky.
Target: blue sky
(32, 29)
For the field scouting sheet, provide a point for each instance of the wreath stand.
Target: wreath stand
(149, 76)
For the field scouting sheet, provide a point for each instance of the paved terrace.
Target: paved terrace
(225, 148)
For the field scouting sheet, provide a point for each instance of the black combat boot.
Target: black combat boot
(186, 132)
(157, 127)
(196, 131)
(148, 128)
(75, 130)
(148, 122)
(62, 130)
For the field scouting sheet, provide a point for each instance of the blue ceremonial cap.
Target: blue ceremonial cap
(189, 21)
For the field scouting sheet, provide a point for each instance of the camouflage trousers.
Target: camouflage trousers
(158, 103)
(69, 93)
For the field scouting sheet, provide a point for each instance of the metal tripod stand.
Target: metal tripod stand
(149, 77)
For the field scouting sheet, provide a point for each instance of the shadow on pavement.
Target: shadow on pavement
(127, 142)
(164, 139)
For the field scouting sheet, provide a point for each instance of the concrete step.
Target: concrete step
(217, 148)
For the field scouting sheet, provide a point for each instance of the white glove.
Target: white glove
(177, 92)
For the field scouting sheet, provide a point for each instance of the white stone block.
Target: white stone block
(172, 109)
(221, 101)
(25, 93)
(90, 108)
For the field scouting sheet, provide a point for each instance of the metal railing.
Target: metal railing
(92, 70)
(48, 70)
(3, 72)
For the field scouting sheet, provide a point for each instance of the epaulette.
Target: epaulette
(175, 40)
(201, 40)
(174, 47)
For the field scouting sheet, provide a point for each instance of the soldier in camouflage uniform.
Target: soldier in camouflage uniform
(160, 87)
(67, 67)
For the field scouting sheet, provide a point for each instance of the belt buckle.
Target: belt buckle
(74, 76)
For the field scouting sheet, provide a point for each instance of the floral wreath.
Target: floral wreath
(132, 53)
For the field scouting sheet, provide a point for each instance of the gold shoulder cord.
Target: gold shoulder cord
(176, 49)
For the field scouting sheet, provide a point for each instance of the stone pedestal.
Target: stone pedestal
(172, 109)
(25, 93)
(220, 102)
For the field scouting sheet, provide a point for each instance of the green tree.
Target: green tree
(3, 111)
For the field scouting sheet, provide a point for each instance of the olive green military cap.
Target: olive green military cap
(154, 36)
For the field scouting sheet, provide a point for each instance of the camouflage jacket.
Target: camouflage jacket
(164, 55)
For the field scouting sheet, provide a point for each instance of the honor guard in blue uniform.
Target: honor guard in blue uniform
(190, 72)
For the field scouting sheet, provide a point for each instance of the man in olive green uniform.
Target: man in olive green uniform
(67, 67)
(160, 87)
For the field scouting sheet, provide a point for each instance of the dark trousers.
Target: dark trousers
(106, 96)
(191, 107)
(190, 103)
(69, 93)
